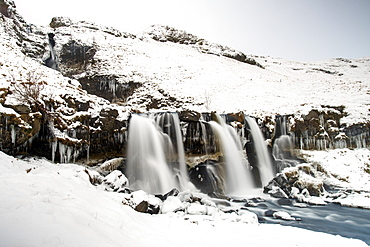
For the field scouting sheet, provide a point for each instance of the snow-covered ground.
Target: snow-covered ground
(45, 204)
(198, 81)
(346, 170)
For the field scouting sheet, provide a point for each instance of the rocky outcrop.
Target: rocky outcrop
(74, 57)
(109, 87)
(165, 33)
(29, 37)
(296, 182)
(322, 129)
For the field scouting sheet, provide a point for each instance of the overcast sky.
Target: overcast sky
(306, 30)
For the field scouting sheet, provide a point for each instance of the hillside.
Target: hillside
(93, 77)
(163, 138)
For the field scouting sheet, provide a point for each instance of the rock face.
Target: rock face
(295, 182)
(322, 129)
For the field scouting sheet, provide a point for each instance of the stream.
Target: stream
(331, 218)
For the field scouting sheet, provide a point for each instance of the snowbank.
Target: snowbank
(44, 204)
(346, 170)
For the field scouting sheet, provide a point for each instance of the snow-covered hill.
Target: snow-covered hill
(67, 91)
(95, 75)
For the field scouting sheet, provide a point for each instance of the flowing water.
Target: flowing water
(239, 180)
(263, 157)
(147, 168)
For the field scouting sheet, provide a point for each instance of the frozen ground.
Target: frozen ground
(45, 204)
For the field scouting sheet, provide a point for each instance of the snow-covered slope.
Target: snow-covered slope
(100, 75)
(205, 82)
(36, 210)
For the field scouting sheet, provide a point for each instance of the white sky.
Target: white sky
(305, 30)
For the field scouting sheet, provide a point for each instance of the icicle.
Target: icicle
(69, 154)
(87, 154)
(13, 133)
(54, 145)
(62, 150)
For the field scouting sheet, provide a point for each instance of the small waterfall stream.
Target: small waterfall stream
(238, 176)
(265, 166)
(147, 168)
(155, 156)
(51, 61)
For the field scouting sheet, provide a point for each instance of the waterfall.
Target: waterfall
(283, 148)
(281, 126)
(51, 61)
(238, 177)
(264, 162)
(156, 157)
(147, 168)
(170, 124)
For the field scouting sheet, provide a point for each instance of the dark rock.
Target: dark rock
(74, 57)
(125, 190)
(262, 205)
(206, 178)
(173, 192)
(4, 7)
(243, 200)
(270, 213)
(108, 87)
(153, 209)
(285, 202)
(229, 210)
(278, 192)
(188, 116)
(142, 207)
(60, 22)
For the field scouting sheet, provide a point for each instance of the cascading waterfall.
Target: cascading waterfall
(156, 157)
(147, 168)
(266, 169)
(170, 124)
(51, 60)
(238, 176)
(283, 148)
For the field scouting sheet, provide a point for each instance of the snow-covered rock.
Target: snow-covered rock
(196, 208)
(116, 180)
(172, 205)
(282, 215)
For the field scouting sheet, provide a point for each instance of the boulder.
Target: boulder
(116, 180)
(60, 22)
(172, 205)
(196, 209)
(282, 215)
(277, 192)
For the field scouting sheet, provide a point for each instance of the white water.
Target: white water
(147, 168)
(283, 148)
(183, 175)
(239, 180)
(171, 122)
(264, 160)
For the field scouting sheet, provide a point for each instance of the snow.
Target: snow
(45, 204)
(348, 170)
